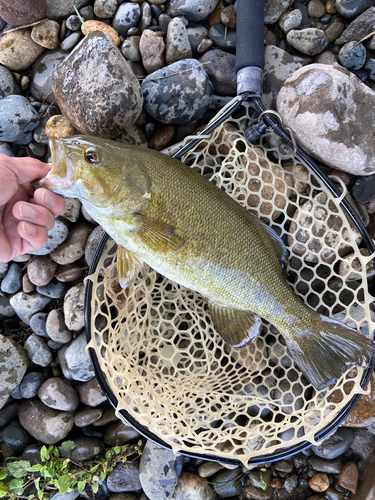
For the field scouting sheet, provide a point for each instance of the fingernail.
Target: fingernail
(27, 211)
(48, 198)
(28, 228)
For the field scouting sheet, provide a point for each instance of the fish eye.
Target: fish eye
(91, 157)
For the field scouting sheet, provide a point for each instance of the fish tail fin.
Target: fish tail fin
(326, 352)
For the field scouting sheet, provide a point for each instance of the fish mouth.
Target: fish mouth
(60, 178)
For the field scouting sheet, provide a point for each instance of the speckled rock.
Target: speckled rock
(310, 41)
(22, 12)
(78, 96)
(59, 126)
(38, 351)
(90, 393)
(105, 8)
(55, 327)
(38, 324)
(290, 20)
(70, 272)
(55, 237)
(56, 393)
(220, 67)
(359, 28)
(192, 487)
(126, 17)
(87, 416)
(100, 26)
(30, 384)
(43, 423)
(336, 131)
(130, 48)
(273, 9)
(78, 361)
(177, 43)
(124, 477)
(18, 51)
(46, 34)
(17, 117)
(72, 209)
(12, 282)
(27, 304)
(74, 307)
(352, 55)
(73, 248)
(134, 136)
(41, 75)
(152, 48)
(8, 85)
(178, 93)
(13, 365)
(54, 289)
(41, 270)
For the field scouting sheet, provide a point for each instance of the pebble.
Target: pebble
(327, 466)
(59, 126)
(90, 393)
(108, 416)
(193, 10)
(120, 433)
(87, 416)
(283, 466)
(223, 37)
(124, 477)
(56, 393)
(55, 327)
(46, 34)
(30, 384)
(78, 361)
(317, 134)
(105, 8)
(18, 51)
(3, 269)
(146, 17)
(348, 477)
(71, 41)
(77, 96)
(359, 28)
(177, 42)
(5, 308)
(46, 111)
(352, 55)
(17, 117)
(319, 482)
(274, 9)
(134, 136)
(74, 307)
(85, 448)
(130, 48)
(13, 365)
(370, 68)
(310, 41)
(126, 17)
(73, 23)
(43, 423)
(38, 351)
(178, 93)
(289, 21)
(61, 9)
(352, 8)
(22, 12)
(315, 9)
(228, 17)
(162, 136)
(15, 436)
(73, 247)
(220, 67)
(152, 49)
(70, 272)
(8, 85)
(55, 289)
(12, 282)
(55, 237)
(336, 444)
(41, 270)
(226, 484)
(196, 35)
(72, 209)
(27, 304)
(100, 26)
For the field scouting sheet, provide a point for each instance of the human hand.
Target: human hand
(26, 214)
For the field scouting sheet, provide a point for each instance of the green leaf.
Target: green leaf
(93, 469)
(95, 487)
(139, 442)
(36, 468)
(3, 493)
(102, 475)
(117, 449)
(44, 454)
(67, 445)
(81, 486)
(64, 483)
(54, 450)
(16, 486)
(108, 454)
(19, 468)
(3, 476)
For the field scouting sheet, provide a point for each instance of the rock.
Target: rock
(38, 324)
(74, 307)
(43, 423)
(105, 8)
(177, 43)
(291, 483)
(55, 327)
(119, 433)
(352, 55)
(228, 17)
(73, 23)
(13, 365)
(41, 75)
(352, 8)
(348, 477)
(8, 85)
(336, 444)
(85, 448)
(315, 9)
(130, 48)
(72, 209)
(220, 67)
(225, 484)
(327, 466)
(107, 417)
(5, 308)
(134, 136)
(73, 248)
(284, 466)
(152, 49)
(124, 477)
(71, 41)
(146, 17)
(104, 28)
(70, 272)
(17, 117)
(359, 28)
(46, 34)
(310, 41)
(92, 244)
(18, 51)
(333, 32)
(363, 414)
(196, 35)
(46, 111)
(192, 487)
(87, 416)
(55, 237)
(15, 436)
(27, 304)
(22, 12)
(41, 270)
(162, 136)
(81, 96)
(30, 384)
(207, 469)
(59, 126)
(370, 68)
(12, 282)
(78, 361)
(90, 393)
(273, 9)
(8, 413)
(61, 9)
(38, 351)
(223, 38)
(193, 10)
(336, 131)
(58, 394)
(290, 20)
(126, 17)
(55, 289)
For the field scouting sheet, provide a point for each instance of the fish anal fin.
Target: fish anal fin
(159, 236)
(236, 327)
(128, 266)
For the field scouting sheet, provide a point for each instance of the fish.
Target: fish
(163, 213)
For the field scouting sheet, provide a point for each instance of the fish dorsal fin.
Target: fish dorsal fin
(159, 236)
(277, 244)
(236, 327)
(128, 266)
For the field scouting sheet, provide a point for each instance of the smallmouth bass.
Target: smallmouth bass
(163, 213)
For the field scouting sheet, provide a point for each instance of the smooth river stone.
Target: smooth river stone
(13, 365)
(338, 132)
(18, 51)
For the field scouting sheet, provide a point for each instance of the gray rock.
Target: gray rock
(119, 433)
(17, 117)
(70, 272)
(12, 282)
(5, 308)
(177, 43)
(72, 495)
(41, 76)
(73, 247)
(41, 270)
(157, 472)
(196, 34)
(55, 327)
(3, 267)
(178, 93)
(126, 17)
(18, 51)
(85, 448)
(78, 360)
(225, 484)
(105, 8)
(220, 67)
(45, 424)
(352, 8)
(61, 9)
(8, 85)
(124, 477)
(146, 17)
(273, 9)
(38, 351)
(370, 68)
(335, 445)
(22, 12)
(359, 28)
(62, 362)
(81, 99)
(30, 384)
(32, 454)
(27, 304)
(192, 487)
(130, 48)
(90, 393)
(223, 37)
(92, 244)
(13, 365)
(58, 394)
(87, 416)
(46, 111)
(55, 289)
(328, 466)
(310, 41)
(74, 307)
(8, 414)
(15, 436)
(46, 34)
(72, 209)
(290, 21)
(38, 324)
(71, 41)
(336, 131)
(152, 50)
(73, 23)
(352, 55)
(193, 10)
(55, 237)
(5, 150)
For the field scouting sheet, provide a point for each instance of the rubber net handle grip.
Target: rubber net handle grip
(249, 34)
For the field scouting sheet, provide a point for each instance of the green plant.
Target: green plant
(57, 474)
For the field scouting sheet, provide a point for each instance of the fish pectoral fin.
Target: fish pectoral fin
(159, 236)
(277, 244)
(128, 266)
(236, 327)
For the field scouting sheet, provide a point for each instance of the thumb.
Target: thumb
(25, 169)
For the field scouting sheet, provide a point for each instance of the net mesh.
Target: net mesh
(158, 349)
